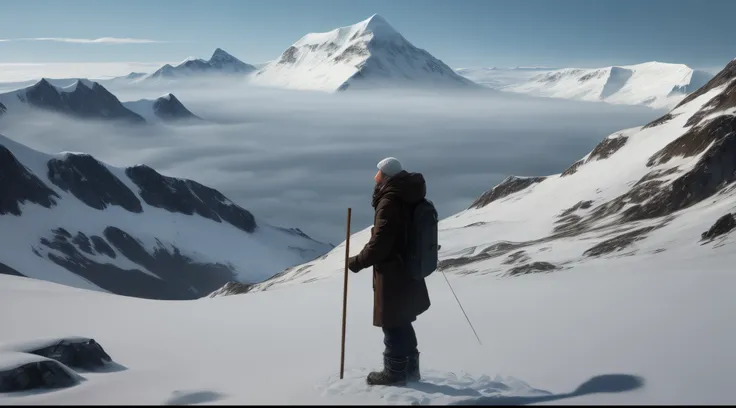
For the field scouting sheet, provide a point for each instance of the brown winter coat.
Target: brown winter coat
(397, 298)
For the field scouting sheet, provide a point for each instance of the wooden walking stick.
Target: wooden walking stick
(345, 297)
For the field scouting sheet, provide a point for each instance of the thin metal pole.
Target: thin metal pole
(345, 296)
(461, 308)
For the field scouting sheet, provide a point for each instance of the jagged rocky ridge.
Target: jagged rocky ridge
(94, 222)
(83, 99)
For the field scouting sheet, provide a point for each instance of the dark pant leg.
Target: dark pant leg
(400, 341)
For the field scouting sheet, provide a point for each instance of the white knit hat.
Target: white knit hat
(390, 166)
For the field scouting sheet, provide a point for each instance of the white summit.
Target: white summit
(369, 54)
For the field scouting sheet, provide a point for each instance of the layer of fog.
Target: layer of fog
(299, 159)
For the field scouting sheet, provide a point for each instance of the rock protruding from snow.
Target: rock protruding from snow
(167, 108)
(86, 354)
(221, 63)
(18, 185)
(188, 197)
(91, 182)
(231, 288)
(654, 84)
(25, 372)
(723, 226)
(510, 185)
(368, 55)
(83, 99)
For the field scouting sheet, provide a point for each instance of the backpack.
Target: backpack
(421, 254)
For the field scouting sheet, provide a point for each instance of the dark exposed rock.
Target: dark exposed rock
(721, 102)
(715, 169)
(618, 243)
(83, 102)
(86, 354)
(695, 141)
(6, 270)
(62, 232)
(516, 257)
(231, 288)
(188, 197)
(169, 108)
(723, 226)
(726, 75)
(510, 185)
(532, 268)
(289, 56)
(581, 205)
(3, 109)
(101, 247)
(91, 182)
(82, 242)
(36, 375)
(179, 277)
(660, 121)
(19, 185)
(492, 251)
(573, 168)
(607, 147)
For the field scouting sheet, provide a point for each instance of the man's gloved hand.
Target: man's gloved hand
(353, 264)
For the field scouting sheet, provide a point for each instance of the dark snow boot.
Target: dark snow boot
(413, 368)
(394, 372)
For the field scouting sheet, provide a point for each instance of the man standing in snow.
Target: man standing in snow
(397, 298)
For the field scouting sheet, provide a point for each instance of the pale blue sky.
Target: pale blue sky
(463, 33)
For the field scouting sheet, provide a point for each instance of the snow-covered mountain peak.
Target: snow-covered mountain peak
(369, 54)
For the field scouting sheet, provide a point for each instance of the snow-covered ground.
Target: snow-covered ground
(662, 321)
(646, 321)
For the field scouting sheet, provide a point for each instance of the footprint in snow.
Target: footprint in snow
(435, 388)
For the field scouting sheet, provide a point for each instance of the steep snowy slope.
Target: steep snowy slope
(368, 54)
(221, 63)
(655, 84)
(82, 99)
(166, 108)
(70, 219)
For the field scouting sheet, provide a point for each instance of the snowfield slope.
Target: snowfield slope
(592, 286)
(370, 54)
(654, 84)
(70, 219)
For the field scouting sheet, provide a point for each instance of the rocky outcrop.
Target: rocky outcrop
(723, 226)
(45, 374)
(91, 182)
(231, 288)
(6, 270)
(79, 353)
(165, 273)
(18, 185)
(607, 147)
(510, 185)
(49, 364)
(188, 197)
(533, 267)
